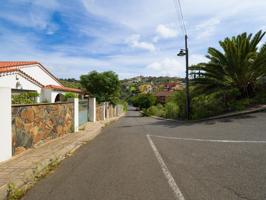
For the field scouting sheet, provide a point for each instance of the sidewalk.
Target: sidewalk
(21, 169)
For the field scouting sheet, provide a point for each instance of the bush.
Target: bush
(206, 106)
(179, 99)
(144, 101)
(155, 111)
(171, 110)
(25, 98)
(70, 95)
(260, 97)
(240, 104)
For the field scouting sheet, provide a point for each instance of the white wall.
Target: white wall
(40, 75)
(54, 94)
(5, 127)
(92, 109)
(10, 81)
(50, 95)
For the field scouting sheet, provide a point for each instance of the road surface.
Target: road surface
(141, 158)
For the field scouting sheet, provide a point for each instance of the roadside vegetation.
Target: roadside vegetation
(24, 98)
(104, 86)
(233, 80)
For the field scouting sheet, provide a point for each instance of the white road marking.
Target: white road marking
(171, 181)
(206, 140)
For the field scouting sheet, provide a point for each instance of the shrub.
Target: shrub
(25, 98)
(70, 95)
(155, 111)
(144, 101)
(171, 110)
(206, 105)
(240, 104)
(179, 98)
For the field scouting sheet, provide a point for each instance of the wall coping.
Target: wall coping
(40, 104)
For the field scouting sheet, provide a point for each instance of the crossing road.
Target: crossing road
(141, 158)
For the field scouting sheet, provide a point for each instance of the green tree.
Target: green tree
(144, 101)
(239, 66)
(104, 86)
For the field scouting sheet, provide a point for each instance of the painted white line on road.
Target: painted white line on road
(167, 173)
(206, 140)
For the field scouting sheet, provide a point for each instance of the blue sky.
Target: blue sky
(133, 37)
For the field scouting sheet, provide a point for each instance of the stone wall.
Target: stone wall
(100, 112)
(111, 111)
(35, 124)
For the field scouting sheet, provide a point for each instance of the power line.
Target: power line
(182, 16)
(179, 19)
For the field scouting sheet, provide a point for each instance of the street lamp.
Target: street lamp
(184, 52)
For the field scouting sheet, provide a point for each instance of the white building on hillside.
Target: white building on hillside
(33, 77)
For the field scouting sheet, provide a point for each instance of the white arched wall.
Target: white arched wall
(50, 95)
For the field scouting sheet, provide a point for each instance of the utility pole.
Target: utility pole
(187, 79)
(185, 52)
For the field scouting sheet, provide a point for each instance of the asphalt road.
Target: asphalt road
(215, 160)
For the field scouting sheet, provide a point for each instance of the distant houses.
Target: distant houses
(168, 90)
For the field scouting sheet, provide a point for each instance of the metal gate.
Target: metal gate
(83, 112)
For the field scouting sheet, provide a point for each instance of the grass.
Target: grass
(16, 193)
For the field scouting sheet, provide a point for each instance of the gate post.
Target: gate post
(76, 114)
(5, 128)
(92, 109)
(107, 110)
(104, 107)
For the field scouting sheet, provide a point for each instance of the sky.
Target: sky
(130, 37)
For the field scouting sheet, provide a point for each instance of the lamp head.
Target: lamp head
(182, 52)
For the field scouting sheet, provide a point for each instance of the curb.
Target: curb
(28, 175)
(263, 108)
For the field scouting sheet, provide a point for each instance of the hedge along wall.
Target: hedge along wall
(35, 124)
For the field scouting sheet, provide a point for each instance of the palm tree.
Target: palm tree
(239, 66)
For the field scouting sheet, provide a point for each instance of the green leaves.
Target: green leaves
(25, 98)
(239, 65)
(104, 86)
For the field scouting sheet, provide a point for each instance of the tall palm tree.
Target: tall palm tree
(238, 66)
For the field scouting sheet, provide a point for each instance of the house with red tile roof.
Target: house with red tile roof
(163, 96)
(32, 76)
(168, 90)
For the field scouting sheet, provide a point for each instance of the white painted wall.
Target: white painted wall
(5, 127)
(76, 114)
(40, 75)
(92, 109)
(10, 81)
(50, 95)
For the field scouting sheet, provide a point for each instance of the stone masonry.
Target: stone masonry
(35, 124)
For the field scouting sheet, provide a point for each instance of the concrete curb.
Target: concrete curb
(28, 175)
(234, 114)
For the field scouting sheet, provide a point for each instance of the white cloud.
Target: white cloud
(207, 28)
(166, 31)
(166, 67)
(134, 41)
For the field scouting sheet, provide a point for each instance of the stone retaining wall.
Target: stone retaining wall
(35, 124)
(100, 113)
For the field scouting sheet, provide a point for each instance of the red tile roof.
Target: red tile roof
(164, 93)
(14, 64)
(10, 66)
(61, 88)
(170, 85)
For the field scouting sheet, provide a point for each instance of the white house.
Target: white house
(33, 76)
